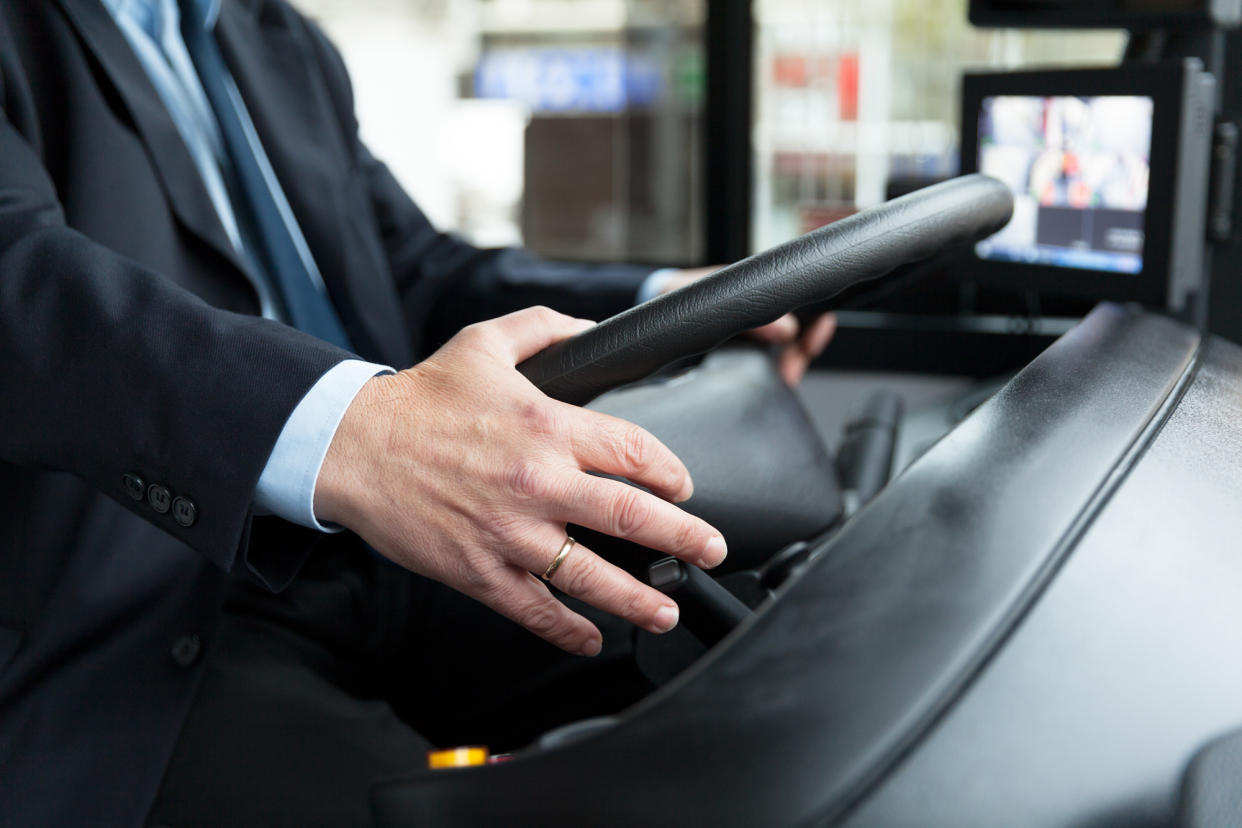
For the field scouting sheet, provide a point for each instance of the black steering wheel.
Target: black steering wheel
(806, 271)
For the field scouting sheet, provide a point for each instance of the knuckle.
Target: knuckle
(539, 418)
(478, 577)
(526, 479)
(508, 529)
(635, 604)
(474, 334)
(541, 617)
(544, 314)
(686, 535)
(635, 448)
(580, 575)
(630, 513)
(481, 338)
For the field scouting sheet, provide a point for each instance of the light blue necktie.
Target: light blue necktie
(288, 259)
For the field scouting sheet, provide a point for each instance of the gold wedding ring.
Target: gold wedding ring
(559, 559)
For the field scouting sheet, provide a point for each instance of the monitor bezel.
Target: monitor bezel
(1224, 13)
(1165, 84)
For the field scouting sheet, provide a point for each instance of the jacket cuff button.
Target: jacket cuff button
(135, 486)
(160, 498)
(184, 511)
(185, 650)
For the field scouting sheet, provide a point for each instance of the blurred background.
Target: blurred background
(577, 127)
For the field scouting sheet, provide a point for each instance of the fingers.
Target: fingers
(613, 446)
(588, 577)
(527, 332)
(516, 592)
(817, 337)
(810, 342)
(522, 597)
(782, 330)
(793, 365)
(797, 357)
(626, 512)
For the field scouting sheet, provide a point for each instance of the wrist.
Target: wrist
(341, 488)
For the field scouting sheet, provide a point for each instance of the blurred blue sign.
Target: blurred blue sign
(569, 79)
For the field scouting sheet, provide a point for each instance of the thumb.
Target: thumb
(529, 331)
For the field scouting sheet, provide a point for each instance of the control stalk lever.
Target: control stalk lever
(865, 457)
(707, 609)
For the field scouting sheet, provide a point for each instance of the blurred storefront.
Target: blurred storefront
(615, 92)
(572, 126)
(576, 126)
(857, 100)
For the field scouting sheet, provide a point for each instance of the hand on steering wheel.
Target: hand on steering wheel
(805, 272)
(799, 345)
(461, 470)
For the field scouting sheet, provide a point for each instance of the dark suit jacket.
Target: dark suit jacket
(129, 345)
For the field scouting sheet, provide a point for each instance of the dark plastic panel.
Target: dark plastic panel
(1211, 794)
(793, 717)
(1127, 665)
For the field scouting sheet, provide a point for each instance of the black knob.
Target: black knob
(707, 609)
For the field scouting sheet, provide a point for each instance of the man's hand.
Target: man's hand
(799, 347)
(461, 470)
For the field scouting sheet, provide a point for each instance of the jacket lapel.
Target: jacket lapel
(302, 137)
(180, 178)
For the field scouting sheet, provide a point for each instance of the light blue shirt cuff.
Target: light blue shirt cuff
(654, 284)
(287, 486)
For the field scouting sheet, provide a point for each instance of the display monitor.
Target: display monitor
(1119, 14)
(1079, 168)
(1109, 171)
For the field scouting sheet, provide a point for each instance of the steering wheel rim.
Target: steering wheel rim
(809, 270)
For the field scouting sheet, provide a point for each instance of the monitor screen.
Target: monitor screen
(1079, 169)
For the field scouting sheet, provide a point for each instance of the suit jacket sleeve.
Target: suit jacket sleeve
(110, 370)
(445, 282)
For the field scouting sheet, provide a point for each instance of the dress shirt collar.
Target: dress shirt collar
(202, 12)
